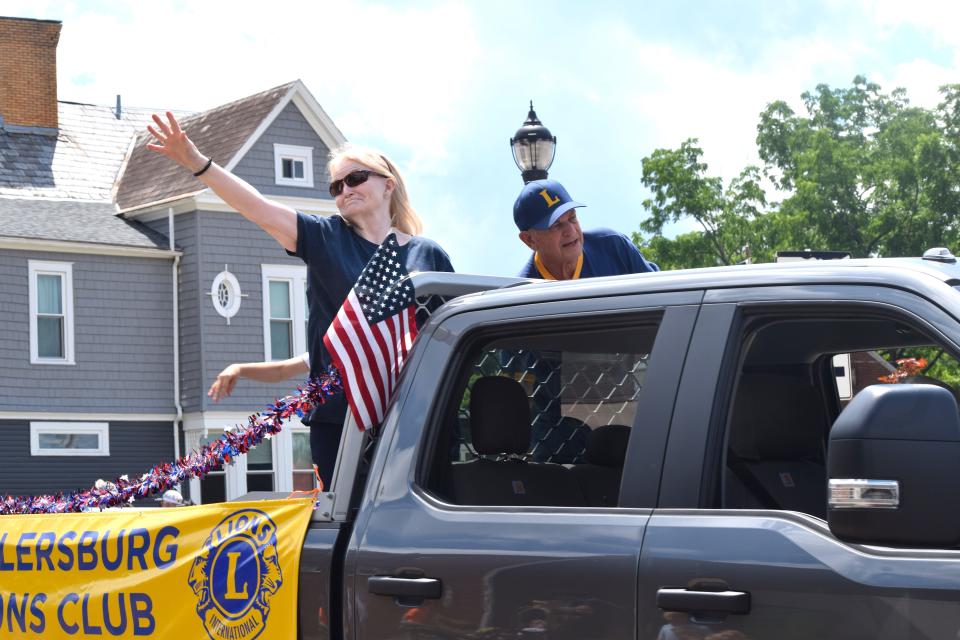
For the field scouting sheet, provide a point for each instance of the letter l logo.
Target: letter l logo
(232, 593)
(550, 201)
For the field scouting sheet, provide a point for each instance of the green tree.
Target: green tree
(860, 170)
(681, 189)
(865, 171)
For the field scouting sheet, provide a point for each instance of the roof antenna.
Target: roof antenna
(118, 112)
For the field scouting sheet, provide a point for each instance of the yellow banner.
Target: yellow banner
(222, 571)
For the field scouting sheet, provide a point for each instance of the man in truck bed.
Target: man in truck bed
(547, 219)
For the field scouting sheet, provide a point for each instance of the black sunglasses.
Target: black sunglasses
(353, 179)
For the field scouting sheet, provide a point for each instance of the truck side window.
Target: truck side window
(542, 418)
(789, 391)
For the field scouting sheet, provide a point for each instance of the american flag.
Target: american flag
(371, 335)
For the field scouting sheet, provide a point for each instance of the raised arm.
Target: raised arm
(274, 218)
(261, 371)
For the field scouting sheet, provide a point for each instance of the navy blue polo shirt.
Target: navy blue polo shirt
(605, 253)
(335, 255)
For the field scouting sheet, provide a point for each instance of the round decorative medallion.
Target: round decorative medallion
(225, 293)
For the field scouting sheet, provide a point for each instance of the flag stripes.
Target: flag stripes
(372, 334)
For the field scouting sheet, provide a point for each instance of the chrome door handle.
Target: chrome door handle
(692, 601)
(409, 592)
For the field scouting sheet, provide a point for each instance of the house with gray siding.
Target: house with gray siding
(128, 286)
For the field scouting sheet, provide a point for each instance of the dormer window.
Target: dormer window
(293, 165)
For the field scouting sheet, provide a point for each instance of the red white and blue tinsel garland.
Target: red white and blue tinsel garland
(198, 464)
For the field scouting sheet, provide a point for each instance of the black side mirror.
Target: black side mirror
(893, 465)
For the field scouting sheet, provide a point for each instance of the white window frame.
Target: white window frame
(296, 277)
(283, 152)
(101, 429)
(65, 271)
(233, 288)
(285, 468)
(273, 465)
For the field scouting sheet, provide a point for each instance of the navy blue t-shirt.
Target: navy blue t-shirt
(605, 253)
(335, 256)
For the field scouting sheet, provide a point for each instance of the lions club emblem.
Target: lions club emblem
(236, 575)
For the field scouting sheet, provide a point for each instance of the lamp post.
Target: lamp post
(533, 148)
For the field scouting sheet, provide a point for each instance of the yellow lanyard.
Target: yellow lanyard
(546, 275)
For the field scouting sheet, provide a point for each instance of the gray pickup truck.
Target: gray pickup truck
(661, 456)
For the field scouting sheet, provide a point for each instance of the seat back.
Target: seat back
(776, 445)
(564, 442)
(599, 478)
(500, 426)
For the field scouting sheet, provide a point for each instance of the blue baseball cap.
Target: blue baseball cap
(540, 204)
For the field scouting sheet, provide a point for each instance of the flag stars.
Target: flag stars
(383, 287)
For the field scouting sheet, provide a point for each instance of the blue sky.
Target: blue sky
(442, 85)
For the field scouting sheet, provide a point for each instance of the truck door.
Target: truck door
(516, 472)
(739, 546)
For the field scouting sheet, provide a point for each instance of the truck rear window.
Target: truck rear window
(543, 418)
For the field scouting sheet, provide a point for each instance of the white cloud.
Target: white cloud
(935, 21)
(399, 75)
(672, 93)
(922, 80)
(410, 80)
(937, 17)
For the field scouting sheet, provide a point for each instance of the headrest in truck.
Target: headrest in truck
(607, 445)
(499, 416)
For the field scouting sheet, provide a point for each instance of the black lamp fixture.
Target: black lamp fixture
(533, 148)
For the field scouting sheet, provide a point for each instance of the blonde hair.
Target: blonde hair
(402, 214)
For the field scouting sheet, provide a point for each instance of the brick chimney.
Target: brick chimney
(28, 72)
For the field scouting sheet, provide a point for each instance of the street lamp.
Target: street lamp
(533, 148)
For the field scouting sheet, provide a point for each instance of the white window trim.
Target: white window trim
(284, 477)
(292, 152)
(233, 286)
(102, 429)
(65, 270)
(283, 459)
(297, 278)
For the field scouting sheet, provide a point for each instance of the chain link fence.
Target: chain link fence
(570, 393)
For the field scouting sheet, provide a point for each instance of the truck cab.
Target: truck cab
(663, 455)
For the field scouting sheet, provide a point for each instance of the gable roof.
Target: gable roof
(224, 133)
(80, 162)
(61, 186)
(74, 221)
